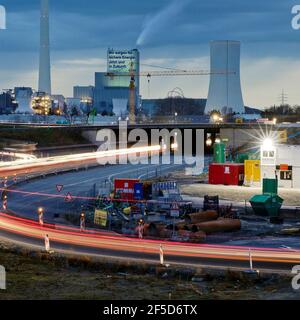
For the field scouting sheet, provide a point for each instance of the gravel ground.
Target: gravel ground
(238, 194)
(34, 279)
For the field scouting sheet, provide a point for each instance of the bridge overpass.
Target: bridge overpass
(237, 134)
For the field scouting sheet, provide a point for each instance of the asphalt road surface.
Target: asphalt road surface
(82, 183)
(69, 240)
(95, 243)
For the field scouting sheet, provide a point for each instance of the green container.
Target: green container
(219, 152)
(270, 186)
(266, 205)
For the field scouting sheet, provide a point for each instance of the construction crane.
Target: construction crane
(149, 74)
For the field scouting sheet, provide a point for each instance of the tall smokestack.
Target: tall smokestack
(44, 71)
(225, 93)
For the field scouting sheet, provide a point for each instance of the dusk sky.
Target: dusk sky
(81, 32)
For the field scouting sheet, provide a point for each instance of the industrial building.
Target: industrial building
(23, 97)
(225, 93)
(151, 107)
(112, 87)
(83, 92)
(8, 104)
(41, 103)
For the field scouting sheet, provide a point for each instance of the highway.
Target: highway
(100, 244)
(30, 165)
(25, 199)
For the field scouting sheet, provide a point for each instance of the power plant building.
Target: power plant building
(83, 92)
(112, 87)
(23, 96)
(225, 93)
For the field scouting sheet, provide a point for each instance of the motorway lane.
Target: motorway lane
(121, 247)
(81, 183)
(100, 245)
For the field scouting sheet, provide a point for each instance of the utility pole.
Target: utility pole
(283, 98)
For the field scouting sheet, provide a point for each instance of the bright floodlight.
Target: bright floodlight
(215, 117)
(268, 144)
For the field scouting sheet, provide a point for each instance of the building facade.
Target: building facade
(83, 92)
(112, 86)
(282, 161)
(23, 97)
(8, 104)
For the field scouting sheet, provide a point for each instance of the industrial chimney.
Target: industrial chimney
(44, 70)
(225, 93)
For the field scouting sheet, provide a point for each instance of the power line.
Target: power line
(283, 98)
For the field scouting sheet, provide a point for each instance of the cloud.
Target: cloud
(153, 25)
(80, 35)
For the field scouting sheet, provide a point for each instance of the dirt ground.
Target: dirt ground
(31, 279)
(238, 194)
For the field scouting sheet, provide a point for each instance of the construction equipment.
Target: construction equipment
(149, 74)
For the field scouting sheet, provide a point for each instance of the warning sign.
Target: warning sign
(59, 187)
(100, 217)
(174, 210)
(68, 197)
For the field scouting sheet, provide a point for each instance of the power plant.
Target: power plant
(225, 93)
(44, 69)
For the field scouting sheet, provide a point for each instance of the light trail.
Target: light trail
(117, 243)
(98, 240)
(31, 164)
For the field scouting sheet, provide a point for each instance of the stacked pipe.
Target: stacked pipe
(195, 228)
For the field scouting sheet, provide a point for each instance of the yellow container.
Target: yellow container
(252, 171)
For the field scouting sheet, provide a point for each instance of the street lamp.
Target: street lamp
(4, 203)
(82, 221)
(208, 140)
(268, 144)
(174, 145)
(41, 216)
(175, 114)
(218, 140)
(163, 145)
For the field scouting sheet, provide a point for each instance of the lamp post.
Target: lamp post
(4, 203)
(175, 115)
(208, 140)
(41, 216)
(82, 221)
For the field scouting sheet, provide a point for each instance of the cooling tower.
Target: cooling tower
(225, 93)
(44, 71)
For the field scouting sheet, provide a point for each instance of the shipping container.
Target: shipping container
(216, 173)
(231, 174)
(125, 188)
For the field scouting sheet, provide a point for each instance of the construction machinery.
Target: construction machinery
(149, 74)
